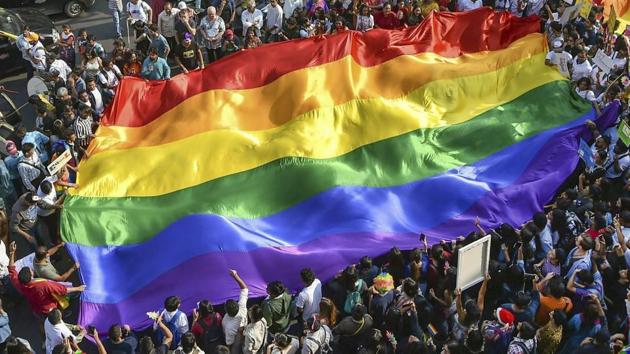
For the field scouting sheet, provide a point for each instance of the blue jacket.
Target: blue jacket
(156, 70)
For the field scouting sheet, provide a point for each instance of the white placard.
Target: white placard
(59, 162)
(472, 263)
(603, 61)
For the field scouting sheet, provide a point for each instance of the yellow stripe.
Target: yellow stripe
(320, 134)
(305, 90)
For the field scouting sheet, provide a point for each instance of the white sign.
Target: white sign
(59, 162)
(603, 61)
(472, 263)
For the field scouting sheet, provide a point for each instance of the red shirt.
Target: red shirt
(386, 21)
(197, 330)
(39, 293)
(595, 233)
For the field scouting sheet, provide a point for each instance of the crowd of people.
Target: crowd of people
(559, 283)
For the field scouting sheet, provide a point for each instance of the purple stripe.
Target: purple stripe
(207, 278)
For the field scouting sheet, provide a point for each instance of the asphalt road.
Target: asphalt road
(96, 21)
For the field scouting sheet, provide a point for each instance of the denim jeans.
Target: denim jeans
(116, 18)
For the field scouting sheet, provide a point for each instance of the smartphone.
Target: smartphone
(423, 237)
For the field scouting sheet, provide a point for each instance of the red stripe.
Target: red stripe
(139, 102)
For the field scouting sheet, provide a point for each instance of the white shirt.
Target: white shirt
(581, 70)
(38, 52)
(98, 102)
(467, 5)
(294, 346)
(561, 61)
(61, 67)
(181, 324)
(55, 334)
(231, 324)
(274, 18)
(254, 336)
(166, 23)
(4, 260)
(24, 46)
(309, 299)
(251, 19)
(139, 11)
(290, 6)
(586, 94)
(50, 198)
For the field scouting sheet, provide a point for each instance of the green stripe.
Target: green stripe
(282, 183)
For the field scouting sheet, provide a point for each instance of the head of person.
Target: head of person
(339, 24)
(282, 341)
(307, 276)
(556, 287)
(222, 349)
(91, 39)
(54, 317)
(108, 64)
(90, 83)
(584, 277)
(584, 83)
(313, 324)
(410, 287)
(41, 253)
(383, 283)
(11, 148)
(540, 220)
(584, 242)
(205, 309)
(188, 342)
(153, 54)
(115, 333)
(558, 317)
(146, 346)
(182, 7)
(168, 7)
(255, 313)
(212, 13)
(28, 149)
(557, 46)
(364, 10)
(25, 275)
(15, 346)
(358, 312)
(387, 9)
(172, 303)
(231, 308)
(556, 256)
(26, 31)
(349, 277)
(522, 300)
(154, 30)
(251, 5)
(275, 288)
(526, 330)
(85, 112)
(134, 1)
(417, 11)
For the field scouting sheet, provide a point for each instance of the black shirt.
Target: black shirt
(187, 55)
(120, 348)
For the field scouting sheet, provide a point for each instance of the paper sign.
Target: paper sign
(603, 61)
(569, 14)
(586, 154)
(624, 132)
(59, 162)
(472, 263)
(587, 5)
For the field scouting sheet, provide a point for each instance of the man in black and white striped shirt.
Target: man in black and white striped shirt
(83, 127)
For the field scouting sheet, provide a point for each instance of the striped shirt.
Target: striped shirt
(83, 130)
(29, 170)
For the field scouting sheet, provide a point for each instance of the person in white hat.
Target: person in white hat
(559, 58)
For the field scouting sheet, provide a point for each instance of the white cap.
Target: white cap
(182, 5)
(557, 44)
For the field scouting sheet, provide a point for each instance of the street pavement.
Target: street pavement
(97, 21)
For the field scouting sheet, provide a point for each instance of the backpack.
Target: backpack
(211, 333)
(172, 326)
(323, 348)
(354, 297)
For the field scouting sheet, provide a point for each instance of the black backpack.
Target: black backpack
(211, 336)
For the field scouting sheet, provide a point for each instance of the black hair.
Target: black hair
(522, 300)
(559, 317)
(256, 312)
(14, 346)
(54, 316)
(561, 255)
(366, 262)
(358, 311)
(231, 307)
(584, 276)
(527, 331)
(145, 346)
(25, 275)
(115, 332)
(222, 349)
(26, 147)
(275, 288)
(60, 349)
(307, 276)
(312, 323)
(282, 340)
(46, 187)
(188, 342)
(40, 253)
(171, 303)
(540, 220)
(154, 50)
(205, 309)
(91, 37)
(556, 287)
(410, 287)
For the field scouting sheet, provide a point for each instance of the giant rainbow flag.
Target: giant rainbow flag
(313, 153)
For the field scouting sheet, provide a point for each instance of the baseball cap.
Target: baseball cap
(505, 317)
(188, 36)
(181, 5)
(11, 148)
(33, 37)
(557, 44)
